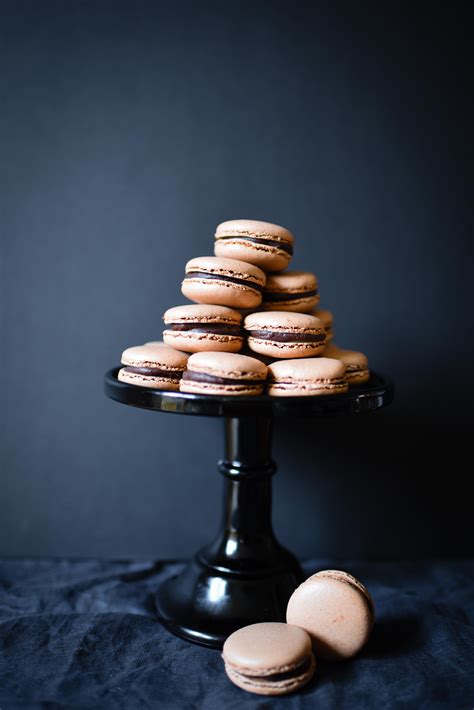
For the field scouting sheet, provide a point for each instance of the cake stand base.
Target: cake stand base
(245, 576)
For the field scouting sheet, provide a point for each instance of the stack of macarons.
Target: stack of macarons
(254, 327)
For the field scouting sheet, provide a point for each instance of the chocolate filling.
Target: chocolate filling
(268, 242)
(217, 328)
(270, 296)
(154, 372)
(218, 277)
(288, 337)
(277, 677)
(192, 376)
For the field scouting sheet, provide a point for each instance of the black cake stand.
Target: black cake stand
(244, 575)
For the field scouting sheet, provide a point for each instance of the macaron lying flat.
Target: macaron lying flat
(280, 334)
(328, 321)
(153, 365)
(224, 374)
(269, 658)
(291, 291)
(306, 377)
(336, 610)
(199, 328)
(223, 282)
(266, 245)
(357, 364)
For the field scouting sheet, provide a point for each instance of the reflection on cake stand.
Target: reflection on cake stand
(244, 576)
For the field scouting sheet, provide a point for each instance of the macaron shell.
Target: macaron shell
(266, 648)
(301, 305)
(266, 257)
(198, 313)
(283, 321)
(158, 383)
(223, 390)
(279, 351)
(201, 342)
(262, 687)
(335, 613)
(343, 576)
(227, 267)
(220, 292)
(228, 365)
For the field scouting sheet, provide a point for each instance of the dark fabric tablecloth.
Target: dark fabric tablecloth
(82, 634)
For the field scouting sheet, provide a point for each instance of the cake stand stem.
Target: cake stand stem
(245, 575)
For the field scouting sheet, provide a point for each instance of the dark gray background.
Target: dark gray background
(129, 130)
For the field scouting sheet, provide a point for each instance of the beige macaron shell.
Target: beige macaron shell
(255, 653)
(357, 364)
(154, 354)
(199, 313)
(306, 377)
(285, 322)
(193, 342)
(268, 257)
(291, 282)
(227, 365)
(224, 293)
(335, 613)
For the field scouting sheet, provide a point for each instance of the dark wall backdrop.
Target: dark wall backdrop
(129, 130)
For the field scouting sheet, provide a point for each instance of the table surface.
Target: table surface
(82, 634)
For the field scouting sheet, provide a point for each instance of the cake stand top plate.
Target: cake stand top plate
(374, 394)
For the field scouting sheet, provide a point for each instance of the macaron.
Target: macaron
(328, 321)
(224, 374)
(306, 377)
(336, 610)
(153, 365)
(223, 282)
(281, 334)
(266, 245)
(291, 291)
(357, 364)
(269, 658)
(199, 328)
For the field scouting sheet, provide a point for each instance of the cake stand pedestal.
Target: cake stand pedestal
(244, 576)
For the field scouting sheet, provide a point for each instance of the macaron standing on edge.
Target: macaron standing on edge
(291, 291)
(153, 365)
(336, 610)
(223, 282)
(266, 245)
(281, 334)
(306, 377)
(200, 327)
(269, 658)
(224, 374)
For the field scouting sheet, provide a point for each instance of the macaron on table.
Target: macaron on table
(244, 576)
